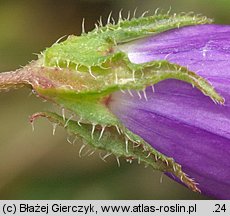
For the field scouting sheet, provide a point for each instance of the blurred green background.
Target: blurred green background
(38, 165)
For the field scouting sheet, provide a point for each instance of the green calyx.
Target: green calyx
(118, 142)
(81, 73)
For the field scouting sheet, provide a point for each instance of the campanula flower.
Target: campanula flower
(177, 119)
(128, 87)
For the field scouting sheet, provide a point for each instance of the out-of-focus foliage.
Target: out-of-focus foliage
(38, 165)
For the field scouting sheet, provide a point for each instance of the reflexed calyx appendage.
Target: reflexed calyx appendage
(82, 72)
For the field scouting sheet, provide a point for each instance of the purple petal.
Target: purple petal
(177, 119)
(204, 49)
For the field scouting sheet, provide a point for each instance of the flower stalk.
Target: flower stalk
(13, 79)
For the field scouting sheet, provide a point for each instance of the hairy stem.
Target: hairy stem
(14, 79)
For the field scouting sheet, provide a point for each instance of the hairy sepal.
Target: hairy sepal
(89, 97)
(96, 46)
(131, 29)
(82, 72)
(121, 143)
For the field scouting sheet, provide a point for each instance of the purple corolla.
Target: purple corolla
(177, 119)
